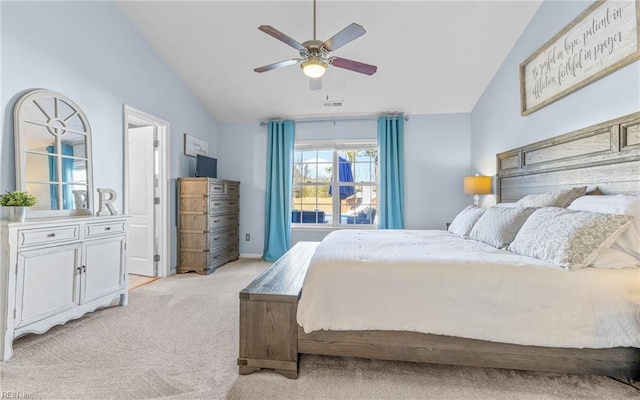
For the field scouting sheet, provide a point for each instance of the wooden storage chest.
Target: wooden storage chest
(208, 219)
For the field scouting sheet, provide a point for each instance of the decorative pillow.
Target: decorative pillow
(559, 198)
(567, 238)
(498, 226)
(613, 258)
(629, 240)
(463, 222)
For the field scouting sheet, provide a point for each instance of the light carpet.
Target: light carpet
(178, 339)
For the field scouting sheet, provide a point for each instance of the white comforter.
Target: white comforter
(435, 282)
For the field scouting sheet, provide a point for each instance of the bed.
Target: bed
(276, 324)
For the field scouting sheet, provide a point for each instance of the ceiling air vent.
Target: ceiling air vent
(332, 103)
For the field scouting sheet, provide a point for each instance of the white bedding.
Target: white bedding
(435, 282)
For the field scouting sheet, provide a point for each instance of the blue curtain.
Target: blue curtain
(391, 192)
(280, 150)
(67, 176)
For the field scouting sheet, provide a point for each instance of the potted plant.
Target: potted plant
(17, 203)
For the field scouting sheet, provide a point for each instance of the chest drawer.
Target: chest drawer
(220, 239)
(218, 205)
(107, 228)
(54, 234)
(221, 256)
(223, 222)
(223, 189)
(233, 189)
(216, 188)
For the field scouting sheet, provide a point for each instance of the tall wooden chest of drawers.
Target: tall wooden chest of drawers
(208, 220)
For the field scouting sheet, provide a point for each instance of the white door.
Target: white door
(141, 193)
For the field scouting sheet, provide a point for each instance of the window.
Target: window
(335, 184)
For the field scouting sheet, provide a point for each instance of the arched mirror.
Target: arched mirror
(53, 153)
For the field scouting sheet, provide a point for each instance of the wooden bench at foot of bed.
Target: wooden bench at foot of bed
(268, 307)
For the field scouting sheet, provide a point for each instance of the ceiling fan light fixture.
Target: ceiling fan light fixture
(314, 68)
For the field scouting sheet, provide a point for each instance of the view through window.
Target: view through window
(335, 184)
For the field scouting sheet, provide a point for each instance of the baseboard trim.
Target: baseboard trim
(249, 255)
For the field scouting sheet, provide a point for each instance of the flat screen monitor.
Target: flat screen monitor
(206, 166)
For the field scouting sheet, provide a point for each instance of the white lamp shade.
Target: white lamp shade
(313, 68)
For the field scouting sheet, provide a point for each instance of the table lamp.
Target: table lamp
(477, 185)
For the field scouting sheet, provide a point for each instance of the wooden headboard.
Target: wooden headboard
(604, 156)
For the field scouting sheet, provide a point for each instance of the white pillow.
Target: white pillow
(559, 198)
(567, 238)
(613, 258)
(465, 220)
(507, 205)
(499, 225)
(629, 240)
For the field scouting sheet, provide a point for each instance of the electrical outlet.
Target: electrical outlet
(247, 237)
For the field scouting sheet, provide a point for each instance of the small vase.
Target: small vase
(16, 213)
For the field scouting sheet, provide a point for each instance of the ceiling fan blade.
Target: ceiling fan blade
(315, 83)
(343, 37)
(279, 64)
(269, 30)
(356, 66)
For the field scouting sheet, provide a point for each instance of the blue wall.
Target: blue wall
(496, 123)
(90, 52)
(436, 160)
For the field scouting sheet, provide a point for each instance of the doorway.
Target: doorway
(146, 192)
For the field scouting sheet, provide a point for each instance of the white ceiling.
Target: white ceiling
(432, 57)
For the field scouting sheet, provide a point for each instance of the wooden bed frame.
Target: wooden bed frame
(604, 157)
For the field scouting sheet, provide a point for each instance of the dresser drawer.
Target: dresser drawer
(218, 205)
(224, 189)
(217, 188)
(233, 189)
(222, 256)
(106, 228)
(222, 222)
(220, 239)
(206, 261)
(54, 234)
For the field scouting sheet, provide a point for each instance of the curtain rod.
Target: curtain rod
(334, 120)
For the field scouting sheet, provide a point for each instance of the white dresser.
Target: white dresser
(57, 269)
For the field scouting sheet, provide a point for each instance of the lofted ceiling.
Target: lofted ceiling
(432, 56)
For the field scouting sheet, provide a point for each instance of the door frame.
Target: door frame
(163, 216)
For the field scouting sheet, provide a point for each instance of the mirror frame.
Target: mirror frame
(20, 151)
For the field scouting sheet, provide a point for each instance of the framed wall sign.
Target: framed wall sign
(194, 146)
(601, 40)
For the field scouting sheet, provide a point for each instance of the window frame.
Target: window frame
(335, 146)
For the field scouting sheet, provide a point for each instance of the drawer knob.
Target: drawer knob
(216, 220)
(108, 228)
(216, 204)
(51, 235)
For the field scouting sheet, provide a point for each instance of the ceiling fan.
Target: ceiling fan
(315, 55)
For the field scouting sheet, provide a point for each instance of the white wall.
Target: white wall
(496, 123)
(436, 160)
(90, 52)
